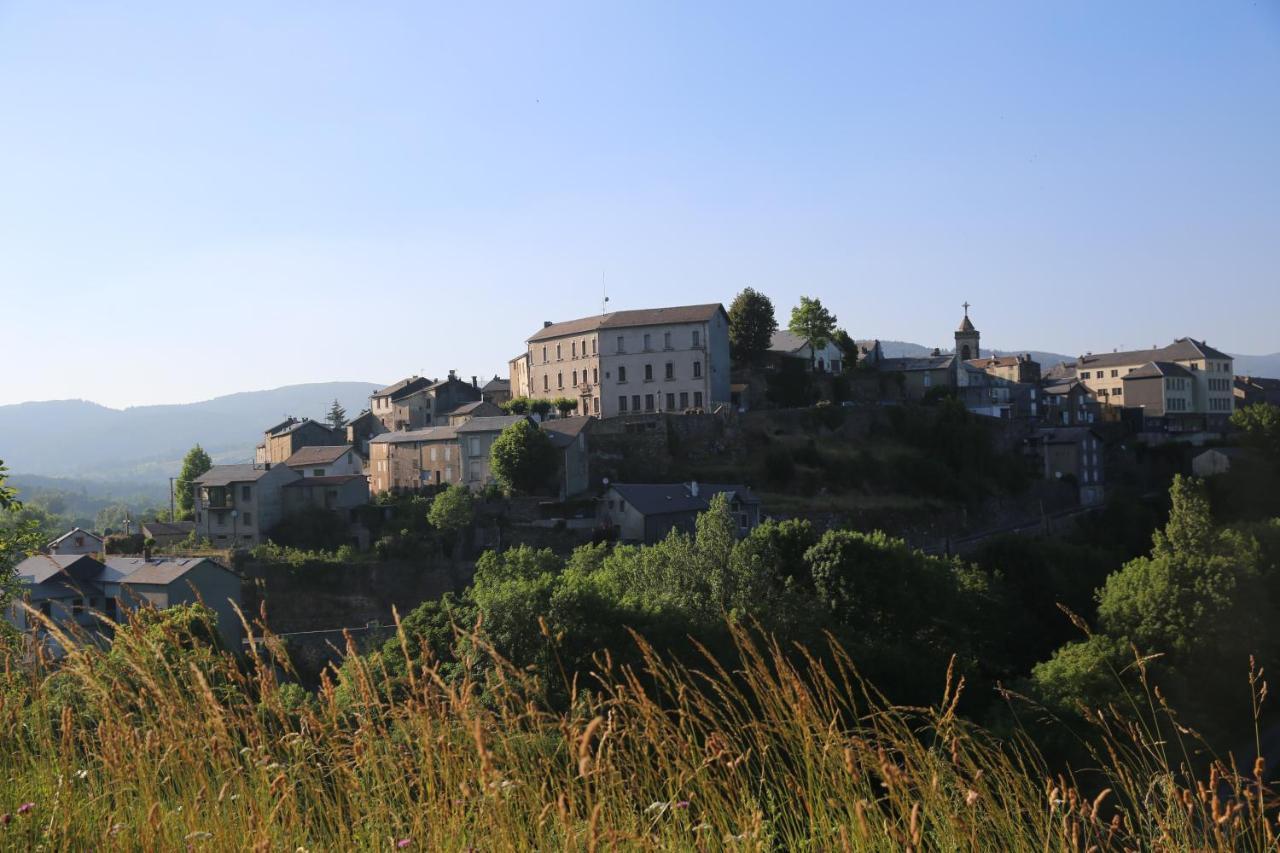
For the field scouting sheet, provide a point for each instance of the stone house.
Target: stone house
(1219, 460)
(360, 429)
(416, 459)
(288, 437)
(497, 391)
(416, 403)
(1256, 389)
(646, 513)
(569, 437)
(474, 409)
(236, 506)
(1067, 402)
(167, 533)
(474, 438)
(828, 359)
(1202, 398)
(339, 493)
(651, 360)
(1011, 368)
(77, 590)
(1075, 452)
(77, 540)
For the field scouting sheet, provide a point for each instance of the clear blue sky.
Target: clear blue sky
(200, 198)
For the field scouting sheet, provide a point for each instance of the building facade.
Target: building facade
(236, 506)
(1200, 395)
(475, 438)
(417, 403)
(653, 360)
(287, 438)
(336, 460)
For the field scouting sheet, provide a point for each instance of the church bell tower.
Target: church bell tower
(967, 338)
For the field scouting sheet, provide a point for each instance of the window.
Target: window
(546, 386)
(648, 373)
(573, 349)
(696, 342)
(1115, 373)
(671, 402)
(246, 493)
(109, 609)
(593, 346)
(635, 402)
(666, 340)
(433, 454)
(1084, 375)
(697, 399)
(317, 472)
(647, 346)
(622, 373)
(77, 607)
(473, 444)
(559, 380)
(246, 519)
(46, 609)
(1118, 392)
(544, 355)
(448, 453)
(621, 347)
(684, 399)
(575, 377)
(622, 403)
(648, 402)
(697, 370)
(671, 370)
(79, 541)
(584, 347)
(595, 376)
(596, 405)
(557, 352)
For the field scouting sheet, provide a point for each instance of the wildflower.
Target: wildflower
(655, 807)
(26, 807)
(970, 797)
(82, 774)
(5, 818)
(115, 828)
(403, 843)
(683, 804)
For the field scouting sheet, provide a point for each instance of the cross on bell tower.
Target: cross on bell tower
(967, 337)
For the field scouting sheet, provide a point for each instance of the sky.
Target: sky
(203, 198)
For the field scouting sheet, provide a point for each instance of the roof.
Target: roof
(72, 532)
(623, 319)
(665, 498)
(1064, 386)
(467, 408)
(784, 341)
(435, 433)
(1229, 452)
(928, 362)
(284, 424)
(335, 480)
(286, 427)
(39, 568)
(162, 570)
(567, 426)
(43, 568)
(317, 455)
(1182, 349)
(998, 361)
(966, 325)
(168, 528)
(403, 388)
(1157, 368)
(223, 475)
(497, 383)
(494, 424)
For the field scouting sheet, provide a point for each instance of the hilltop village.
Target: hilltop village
(625, 426)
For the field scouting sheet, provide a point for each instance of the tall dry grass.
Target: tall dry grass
(147, 747)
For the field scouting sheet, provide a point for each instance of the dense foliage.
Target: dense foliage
(751, 325)
(522, 458)
(194, 464)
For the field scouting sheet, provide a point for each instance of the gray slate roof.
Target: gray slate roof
(497, 383)
(318, 455)
(623, 319)
(906, 365)
(168, 528)
(1182, 349)
(666, 498)
(73, 531)
(494, 424)
(436, 433)
(403, 388)
(225, 475)
(162, 571)
(1158, 368)
(58, 575)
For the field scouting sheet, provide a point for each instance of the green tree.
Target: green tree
(453, 509)
(813, 322)
(516, 406)
(540, 407)
(848, 348)
(522, 458)
(1259, 425)
(337, 415)
(751, 325)
(194, 464)
(18, 537)
(565, 405)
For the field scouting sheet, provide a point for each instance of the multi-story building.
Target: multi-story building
(1012, 368)
(412, 460)
(76, 541)
(475, 437)
(288, 437)
(337, 460)
(416, 403)
(651, 360)
(518, 370)
(1193, 391)
(1256, 389)
(497, 391)
(237, 505)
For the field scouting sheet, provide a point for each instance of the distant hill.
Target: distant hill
(145, 444)
(1258, 365)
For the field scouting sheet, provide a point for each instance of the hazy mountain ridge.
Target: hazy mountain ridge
(78, 438)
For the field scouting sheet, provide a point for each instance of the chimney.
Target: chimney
(453, 374)
(546, 323)
(146, 554)
(267, 466)
(474, 383)
(693, 488)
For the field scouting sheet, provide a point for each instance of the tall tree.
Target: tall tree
(195, 463)
(848, 348)
(813, 322)
(337, 415)
(18, 536)
(751, 325)
(522, 457)
(1259, 426)
(452, 509)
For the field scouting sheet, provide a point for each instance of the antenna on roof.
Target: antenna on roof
(604, 294)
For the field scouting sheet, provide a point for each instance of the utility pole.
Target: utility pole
(173, 516)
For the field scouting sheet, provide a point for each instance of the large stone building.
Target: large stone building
(237, 505)
(475, 438)
(415, 459)
(1187, 384)
(291, 435)
(651, 360)
(417, 402)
